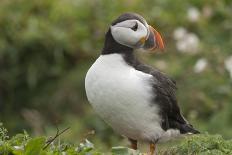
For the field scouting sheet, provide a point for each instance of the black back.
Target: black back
(165, 90)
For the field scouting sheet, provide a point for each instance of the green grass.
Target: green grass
(202, 144)
(23, 144)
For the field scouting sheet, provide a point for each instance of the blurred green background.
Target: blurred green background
(47, 46)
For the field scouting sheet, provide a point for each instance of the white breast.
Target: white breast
(122, 96)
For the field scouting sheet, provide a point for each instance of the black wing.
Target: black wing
(165, 90)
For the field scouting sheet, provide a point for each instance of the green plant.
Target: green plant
(22, 144)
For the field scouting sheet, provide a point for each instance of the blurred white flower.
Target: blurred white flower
(181, 46)
(193, 42)
(193, 14)
(188, 44)
(228, 65)
(179, 33)
(200, 65)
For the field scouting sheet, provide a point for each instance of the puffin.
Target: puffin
(135, 99)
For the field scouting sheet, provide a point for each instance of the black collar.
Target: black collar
(111, 46)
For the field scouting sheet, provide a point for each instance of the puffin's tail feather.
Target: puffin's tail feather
(188, 128)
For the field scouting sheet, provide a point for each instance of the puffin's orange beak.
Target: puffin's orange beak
(158, 38)
(154, 40)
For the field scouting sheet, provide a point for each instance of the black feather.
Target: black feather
(165, 90)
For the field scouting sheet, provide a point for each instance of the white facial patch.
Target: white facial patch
(124, 34)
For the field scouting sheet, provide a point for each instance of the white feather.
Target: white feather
(122, 96)
(124, 35)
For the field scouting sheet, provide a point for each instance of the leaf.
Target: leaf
(35, 146)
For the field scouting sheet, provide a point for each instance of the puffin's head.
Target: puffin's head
(131, 30)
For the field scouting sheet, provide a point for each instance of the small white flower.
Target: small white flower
(188, 44)
(179, 33)
(228, 65)
(193, 14)
(200, 65)
(193, 42)
(182, 46)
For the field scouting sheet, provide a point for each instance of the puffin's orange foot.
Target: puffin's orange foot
(152, 149)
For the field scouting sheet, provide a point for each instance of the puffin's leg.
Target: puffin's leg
(133, 143)
(152, 148)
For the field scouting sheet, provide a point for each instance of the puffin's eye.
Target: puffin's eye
(135, 27)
